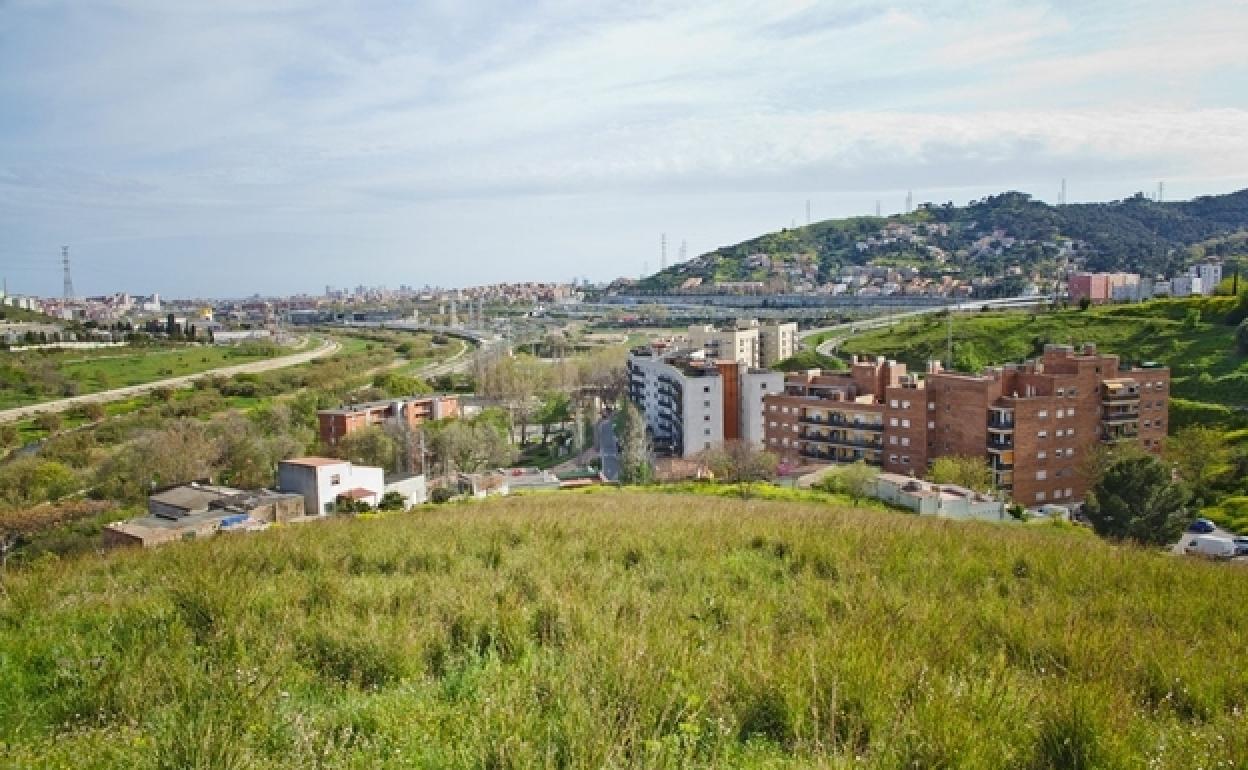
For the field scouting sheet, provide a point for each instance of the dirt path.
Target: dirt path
(327, 348)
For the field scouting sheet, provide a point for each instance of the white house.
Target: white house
(322, 480)
(945, 500)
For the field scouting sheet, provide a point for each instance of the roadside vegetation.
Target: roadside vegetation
(33, 376)
(623, 629)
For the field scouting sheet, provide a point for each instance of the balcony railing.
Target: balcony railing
(1121, 396)
(843, 441)
(839, 422)
(1000, 446)
(995, 424)
(1118, 418)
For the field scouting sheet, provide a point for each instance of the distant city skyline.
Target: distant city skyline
(212, 149)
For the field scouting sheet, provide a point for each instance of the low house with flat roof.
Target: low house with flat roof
(927, 498)
(199, 509)
(322, 480)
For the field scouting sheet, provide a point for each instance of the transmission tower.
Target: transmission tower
(69, 282)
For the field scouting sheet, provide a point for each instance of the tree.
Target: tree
(635, 456)
(1192, 319)
(1136, 499)
(184, 450)
(556, 408)
(1085, 303)
(31, 480)
(392, 501)
(8, 435)
(963, 471)
(470, 445)
(1241, 337)
(740, 462)
(370, 446)
(856, 480)
(1199, 454)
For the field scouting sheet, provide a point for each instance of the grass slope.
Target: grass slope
(1203, 361)
(627, 630)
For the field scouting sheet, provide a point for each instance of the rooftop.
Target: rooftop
(314, 462)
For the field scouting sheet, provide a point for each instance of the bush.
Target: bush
(49, 422)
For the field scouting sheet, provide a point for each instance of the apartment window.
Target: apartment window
(706, 388)
(1071, 392)
(706, 417)
(1061, 413)
(1069, 492)
(905, 441)
(1060, 392)
(1070, 432)
(1042, 434)
(706, 432)
(1041, 455)
(893, 403)
(706, 445)
(905, 404)
(892, 421)
(905, 459)
(892, 440)
(931, 425)
(773, 423)
(706, 404)
(784, 410)
(1059, 433)
(1148, 386)
(762, 386)
(1039, 496)
(892, 458)
(772, 408)
(905, 423)
(335, 479)
(1043, 413)
(1041, 475)
(1070, 412)
(931, 406)
(773, 440)
(1147, 423)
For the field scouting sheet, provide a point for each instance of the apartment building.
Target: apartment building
(692, 402)
(1034, 423)
(336, 423)
(754, 344)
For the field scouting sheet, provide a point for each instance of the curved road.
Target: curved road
(327, 348)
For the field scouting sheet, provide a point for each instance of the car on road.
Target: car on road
(1202, 527)
(1212, 546)
(1241, 545)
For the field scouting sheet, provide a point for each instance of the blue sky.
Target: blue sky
(226, 147)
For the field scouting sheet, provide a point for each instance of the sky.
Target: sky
(217, 148)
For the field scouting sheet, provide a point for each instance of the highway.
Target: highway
(841, 332)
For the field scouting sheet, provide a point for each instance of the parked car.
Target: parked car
(1241, 546)
(1202, 527)
(1212, 546)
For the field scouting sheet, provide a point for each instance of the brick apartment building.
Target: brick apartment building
(1035, 423)
(336, 423)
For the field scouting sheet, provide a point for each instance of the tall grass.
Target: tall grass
(627, 629)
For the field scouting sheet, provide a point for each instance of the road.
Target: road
(327, 348)
(841, 332)
(608, 449)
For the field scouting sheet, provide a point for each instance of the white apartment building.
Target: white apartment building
(1210, 275)
(692, 402)
(750, 342)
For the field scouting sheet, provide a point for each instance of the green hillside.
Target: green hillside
(1204, 364)
(1135, 234)
(627, 630)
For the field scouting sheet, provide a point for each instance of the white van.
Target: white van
(1212, 546)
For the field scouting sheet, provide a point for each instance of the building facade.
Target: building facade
(336, 423)
(692, 402)
(1034, 423)
(750, 342)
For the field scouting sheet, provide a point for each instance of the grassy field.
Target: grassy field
(1204, 365)
(91, 371)
(622, 629)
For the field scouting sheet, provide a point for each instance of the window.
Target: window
(772, 408)
(1059, 433)
(1069, 492)
(1042, 434)
(773, 440)
(784, 410)
(893, 403)
(931, 406)
(706, 404)
(1039, 496)
(905, 423)
(892, 421)
(1041, 475)
(1043, 413)
(1070, 412)
(892, 440)
(706, 432)
(762, 386)
(706, 388)
(706, 418)
(707, 445)
(892, 458)
(905, 404)
(1070, 392)
(1041, 454)
(905, 441)
(1061, 413)
(773, 423)
(1070, 432)
(905, 459)
(1060, 392)
(335, 480)
(931, 425)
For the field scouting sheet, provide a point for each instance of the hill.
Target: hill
(625, 629)
(1204, 364)
(983, 238)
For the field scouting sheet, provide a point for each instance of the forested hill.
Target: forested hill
(983, 238)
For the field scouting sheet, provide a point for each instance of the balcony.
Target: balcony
(842, 440)
(838, 421)
(1121, 416)
(1115, 397)
(871, 458)
(1114, 436)
(998, 424)
(1002, 445)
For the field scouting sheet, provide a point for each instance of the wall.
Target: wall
(413, 489)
